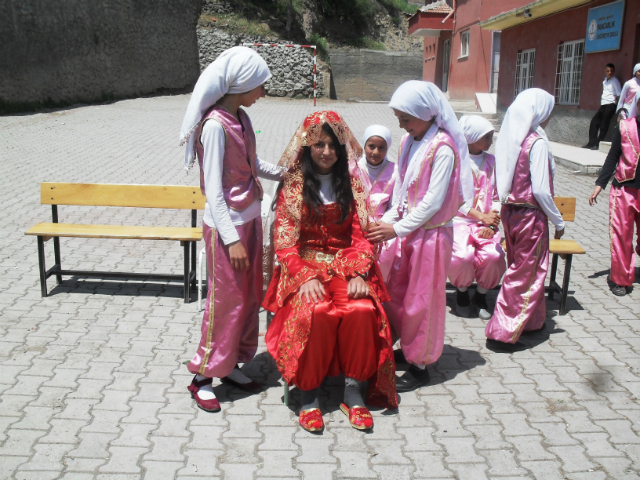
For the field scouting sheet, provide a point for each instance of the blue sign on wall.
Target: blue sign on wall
(604, 27)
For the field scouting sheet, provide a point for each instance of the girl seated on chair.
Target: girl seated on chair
(326, 290)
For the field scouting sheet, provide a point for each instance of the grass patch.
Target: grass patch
(401, 5)
(321, 46)
(366, 43)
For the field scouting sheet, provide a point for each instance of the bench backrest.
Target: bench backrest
(113, 195)
(567, 207)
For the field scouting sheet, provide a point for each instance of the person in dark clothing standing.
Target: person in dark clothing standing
(624, 199)
(600, 122)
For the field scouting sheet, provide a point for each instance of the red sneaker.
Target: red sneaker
(311, 420)
(359, 417)
(212, 405)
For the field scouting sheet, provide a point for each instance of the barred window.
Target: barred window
(569, 72)
(524, 69)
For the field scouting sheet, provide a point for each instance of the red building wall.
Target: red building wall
(470, 74)
(548, 32)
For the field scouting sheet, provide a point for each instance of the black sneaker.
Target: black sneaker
(594, 147)
(588, 145)
(463, 304)
(618, 290)
(480, 301)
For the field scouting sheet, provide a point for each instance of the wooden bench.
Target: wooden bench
(110, 195)
(565, 249)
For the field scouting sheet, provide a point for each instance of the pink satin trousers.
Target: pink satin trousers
(230, 322)
(624, 212)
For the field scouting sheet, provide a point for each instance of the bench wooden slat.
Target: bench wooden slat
(116, 231)
(565, 247)
(567, 208)
(112, 195)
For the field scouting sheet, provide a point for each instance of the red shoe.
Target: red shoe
(359, 417)
(212, 405)
(311, 420)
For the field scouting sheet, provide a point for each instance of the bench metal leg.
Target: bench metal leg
(565, 284)
(42, 267)
(552, 277)
(56, 256)
(286, 392)
(187, 273)
(193, 264)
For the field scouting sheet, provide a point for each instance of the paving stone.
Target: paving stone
(92, 383)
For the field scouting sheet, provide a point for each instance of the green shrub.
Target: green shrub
(321, 46)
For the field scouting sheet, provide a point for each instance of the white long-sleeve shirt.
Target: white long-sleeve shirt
(217, 213)
(539, 164)
(477, 161)
(625, 91)
(434, 198)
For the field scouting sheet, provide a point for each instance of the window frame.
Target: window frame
(568, 83)
(526, 80)
(466, 33)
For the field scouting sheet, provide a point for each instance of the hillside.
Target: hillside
(371, 24)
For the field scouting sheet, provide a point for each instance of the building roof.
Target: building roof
(535, 10)
(437, 7)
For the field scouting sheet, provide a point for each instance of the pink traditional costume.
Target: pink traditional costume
(475, 257)
(225, 148)
(629, 90)
(426, 197)
(308, 340)
(379, 180)
(624, 199)
(524, 177)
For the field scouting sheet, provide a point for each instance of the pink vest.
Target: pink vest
(240, 184)
(418, 189)
(521, 191)
(380, 190)
(628, 164)
(484, 192)
(631, 92)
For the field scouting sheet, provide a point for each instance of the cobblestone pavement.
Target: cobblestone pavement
(92, 380)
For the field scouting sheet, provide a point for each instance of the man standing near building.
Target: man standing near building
(600, 121)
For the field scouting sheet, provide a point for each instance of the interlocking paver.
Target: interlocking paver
(92, 383)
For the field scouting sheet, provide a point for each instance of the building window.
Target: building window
(464, 44)
(524, 69)
(569, 72)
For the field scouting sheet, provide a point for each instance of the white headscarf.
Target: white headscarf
(530, 108)
(633, 111)
(636, 67)
(425, 101)
(236, 70)
(475, 127)
(377, 131)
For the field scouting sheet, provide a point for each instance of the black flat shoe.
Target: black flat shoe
(503, 347)
(398, 356)
(412, 379)
(532, 332)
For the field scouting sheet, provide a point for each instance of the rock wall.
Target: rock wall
(292, 68)
(87, 50)
(372, 75)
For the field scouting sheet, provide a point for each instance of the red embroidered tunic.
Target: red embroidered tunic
(323, 250)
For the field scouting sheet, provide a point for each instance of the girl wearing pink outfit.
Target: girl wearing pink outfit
(629, 90)
(379, 175)
(477, 253)
(433, 165)
(219, 134)
(524, 178)
(624, 199)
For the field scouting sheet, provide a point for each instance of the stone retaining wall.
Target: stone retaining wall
(292, 68)
(372, 75)
(62, 52)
